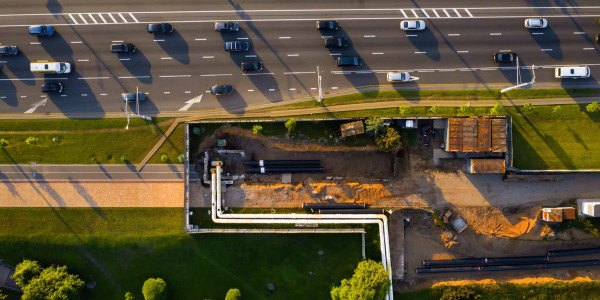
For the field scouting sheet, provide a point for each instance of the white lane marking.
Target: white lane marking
(369, 36)
(411, 35)
(293, 54)
(208, 57)
(424, 12)
(495, 33)
(377, 53)
(242, 38)
(456, 11)
(292, 89)
(35, 43)
(294, 73)
(402, 11)
(424, 71)
(504, 50)
(83, 59)
(23, 96)
(113, 19)
(166, 58)
(167, 92)
(537, 33)
(101, 17)
(210, 75)
(3, 61)
(174, 76)
(462, 51)
(33, 79)
(436, 13)
(191, 102)
(72, 18)
(453, 34)
(546, 50)
(588, 48)
(285, 37)
(271, 90)
(250, 90)
(468, 12)
(187, 92)
(117, 41)
(257, 74)
(124, 20)
(63, 95)
(420, 52)
(84, 95)
(334, 87)
(124, 58)
(136, 20)
(42, 60)
(207, 91)
(159, 40)
(82, 18)
(77, 42)
(35, 105)
(313, 89)
(203, 39)
(332, 54)
(449, 70)
(327, 36)
(250, 55)
(578, 32)
(89, 78)
(101, 95)
(92, 17)
(446, 12)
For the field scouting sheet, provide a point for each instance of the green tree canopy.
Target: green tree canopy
(497, 109)
(129, 296)
(53, 283)
(388, 141)
(290, 124)
(256, 129)
(593, 107)
(155, 289)
(26, 271)
(369, 282)
(233, 294)
(374, 125)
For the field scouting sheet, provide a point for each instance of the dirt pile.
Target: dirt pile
(493, 222)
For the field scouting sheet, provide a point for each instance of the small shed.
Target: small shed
(352, 128)
(589, 207)
(558, 214)
(486, 165)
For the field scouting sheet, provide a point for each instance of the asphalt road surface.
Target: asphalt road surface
(177, 70)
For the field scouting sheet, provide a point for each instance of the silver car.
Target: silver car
(412, 25)
(534, 23)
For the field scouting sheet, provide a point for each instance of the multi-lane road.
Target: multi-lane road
(177, 70)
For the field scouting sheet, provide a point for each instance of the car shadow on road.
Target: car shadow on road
(138, 65)
(57, 47)
(233, 103)
(425, 41)
(175, 45)
(410, 91)
(54, 7)
(548, 42)
(8, 91)
(571, 84)
(19, 66)
(509, 71)
(80, 100)
(361, 76)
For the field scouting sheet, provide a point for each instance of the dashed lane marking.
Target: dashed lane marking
(495, 33)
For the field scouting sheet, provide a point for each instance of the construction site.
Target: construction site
(447, 192)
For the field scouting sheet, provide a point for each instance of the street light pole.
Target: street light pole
(319, 83)
(519, 85)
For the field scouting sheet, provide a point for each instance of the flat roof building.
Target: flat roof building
(476, 135)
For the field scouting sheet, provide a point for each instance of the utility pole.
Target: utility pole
(519, 85)
(319, 83)
(137, 109)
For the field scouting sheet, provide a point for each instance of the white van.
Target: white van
(50, 67)
(398, 77)
(572, 72)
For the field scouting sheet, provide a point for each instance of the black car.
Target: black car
(55, 87)
(160, 28)
(252, 66)
(341, 42)
(236, 46)
(128, 97)
(505, 57)
(122, 48)
(349, 61)
(7, 50)
(221, 89)
(227, 26)
(327, 25)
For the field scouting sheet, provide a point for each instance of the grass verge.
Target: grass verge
(119, 248)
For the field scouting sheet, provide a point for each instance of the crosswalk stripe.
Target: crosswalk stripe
(435, 12)
(101, 17)
(136, 20)
(425, 13)
(456, 11)
(82, 18)
(414, 13)
(91, 17)
(124, 20)
(74, 21)
(446, 12)
(402, 11)
(468, 12)
(111, 16)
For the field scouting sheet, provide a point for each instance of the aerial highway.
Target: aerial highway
(177, 70)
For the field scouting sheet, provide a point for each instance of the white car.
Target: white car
(412, 25)
(536, 23)
(572, 72)
(398, 77)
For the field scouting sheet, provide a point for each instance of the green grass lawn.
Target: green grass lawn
(119, 248)
(72, 141)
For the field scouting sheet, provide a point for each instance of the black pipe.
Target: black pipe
(484, 261)
(582, 263)
(333, 205)
(264, 170)
(573, 252)
(352, 211)
(279, 163)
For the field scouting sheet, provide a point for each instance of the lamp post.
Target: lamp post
(319, 83)
(519, 84)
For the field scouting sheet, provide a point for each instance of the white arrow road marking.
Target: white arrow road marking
(191, 102)
(36, 105)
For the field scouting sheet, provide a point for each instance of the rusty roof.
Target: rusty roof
(476, 135)
(352, 128)
(487, 165)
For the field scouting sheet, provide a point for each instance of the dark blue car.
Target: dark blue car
(41, 30)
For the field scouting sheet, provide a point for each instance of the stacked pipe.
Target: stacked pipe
(508, 263)
(341, 208)
(284, 166)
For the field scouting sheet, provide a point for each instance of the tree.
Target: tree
(129, 296)
(53, 283)
(4, 143)
(233, 294)
(593, 107)
(164, 158)
(459, 293)
(556, 110)
(374, 125)
(404, 110)
(32, 140)
(256, 129)
(3, 296)
(388, 141)
(465, 108)
(290, 124)
(181, 158)
(124, 159)
(155, 289)
(497, 109)
(26, 271)
(369, 282)
(434, 109)
(528, 107)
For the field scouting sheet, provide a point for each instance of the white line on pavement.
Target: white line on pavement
(411, 35)
(250, 55)
(208, 57)
(335, 54)
(23, 96)
(202, 39)
(546, 50)
(210, 75)
(117, 41)
(334, 87)
(250, 90)
(453, 34)
(292, 89)
(174, 76)
(103, 94)
(293, 55)
(468, 12)
(92, 17)
(537, 33)
(101, 17)
(292, 73)
(159, 40)
(123, 18)
(82, 18)
(436, 13)
(578, 32)
(285, 37)
(74, 21)
(424, 12)
(402, 11)
(420, 52)
(271, 90)
(89, 78)
(446, 12)
(313, 89)
(377, 53)
(257, 74)
(28, 79)
(166, 58)
(83, 59)
(588, 48)
(136, 20)
(63, 95)
(77, 42)
(35, 43)
(124, 58)
(456, 11)
(505, 50)
(496, 33)
(242, 38)
(462, 51)
(414, 13)
(113, 19)
(167, 92)
(84, 95)
(188, 92)
(369, 36)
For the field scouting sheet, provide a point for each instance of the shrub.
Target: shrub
(290, 124)
(374, 125)
(4, 143)
(26, 271)
(164, 158)
(155, 289)
(459, 293)
(256, 129)
(93, 158)
(3, 296)
(129, 296)
(593, 107)
(32, 140)
(465, 108)
(388, 141)
(434, 109)
(556, 110)
(370, 281)
(124, 159)
(403, 110)
(497, 109)
(54, 283)
(181, 158)
(233, 294)
(528, 107)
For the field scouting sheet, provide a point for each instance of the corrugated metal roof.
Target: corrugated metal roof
(476, 135)
(486, 165)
